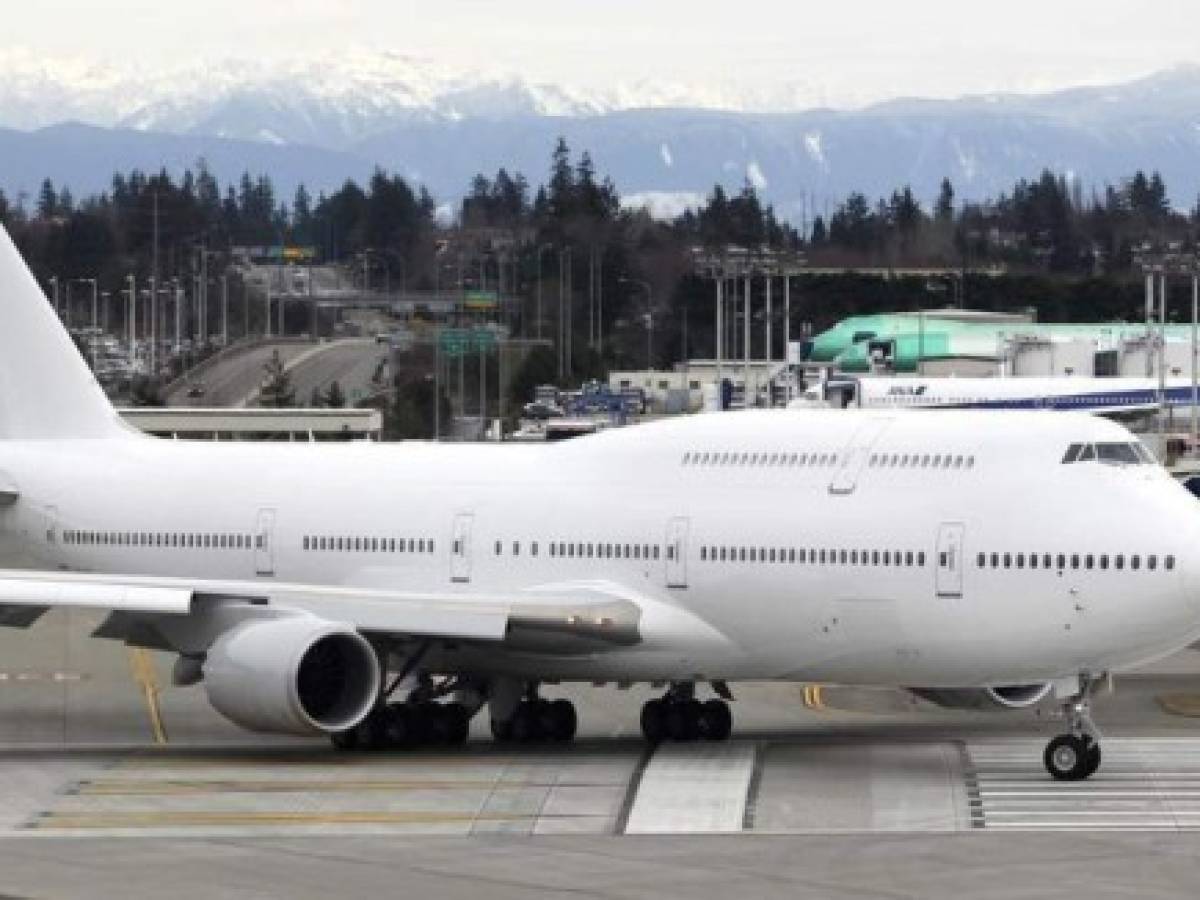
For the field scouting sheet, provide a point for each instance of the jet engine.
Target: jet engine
(1017, 696)
(292, 675)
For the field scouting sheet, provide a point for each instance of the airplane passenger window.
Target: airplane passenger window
(723, 554)
(753, 554)
(571, 550)
(655, 551)
(921, 559)
(854, 557)
(703, 553)
(995, 560)
(874, 557)
(1033, 560)
(958, 461)
(822, 557)
(497, 548)
(1020, 560)
(792, 555)
(687, 458)
(1151, 562)
(908, 558)
(792, 459)
(1103, 560)
(305, 543)
(1089, 561)
(970, 462)
(887, 558)
(1119, 561)
(1074, 560)
(1169, 562)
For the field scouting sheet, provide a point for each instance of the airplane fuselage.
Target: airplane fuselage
(911, 549)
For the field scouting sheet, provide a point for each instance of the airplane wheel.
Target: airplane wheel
(457, 723)
(502, 730)
(683, 720)
(1067, 757)
(401, 726)
(564, 721)
(1093, 759)
(525, 724)
(716, 721)
(654, 726)
(371, 732)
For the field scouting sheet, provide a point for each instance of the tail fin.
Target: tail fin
(46, 389)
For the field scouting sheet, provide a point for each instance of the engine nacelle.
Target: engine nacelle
(1017, 696)
(292, 675)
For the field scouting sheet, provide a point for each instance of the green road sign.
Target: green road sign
(460, 341)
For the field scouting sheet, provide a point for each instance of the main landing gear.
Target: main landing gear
(679, 716)
(403, 725)
(433, 714)
(1075, 756)
(534, 719)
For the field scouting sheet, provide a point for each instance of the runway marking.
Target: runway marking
(229, 786)
(813, 698)
(1143, 784)
(214, 818)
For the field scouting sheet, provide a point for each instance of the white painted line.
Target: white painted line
(696, 788)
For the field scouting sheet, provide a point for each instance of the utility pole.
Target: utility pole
(225, 310)
(267, 320)
(1195, 385)
(132, 323)
(719, 325)
(746, 339)
(769, 355)
(154, 295)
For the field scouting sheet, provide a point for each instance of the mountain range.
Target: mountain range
(323, 121)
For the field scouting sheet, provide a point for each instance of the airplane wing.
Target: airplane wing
(567, 617)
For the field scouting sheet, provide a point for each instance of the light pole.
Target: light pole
(132, 318)
(538, 318)
(649, 317)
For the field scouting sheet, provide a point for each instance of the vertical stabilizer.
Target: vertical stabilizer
(46, 389)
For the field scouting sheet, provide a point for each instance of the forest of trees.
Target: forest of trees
(1072, 257)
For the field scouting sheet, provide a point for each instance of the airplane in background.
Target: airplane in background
(1116, 397)
(384, 594)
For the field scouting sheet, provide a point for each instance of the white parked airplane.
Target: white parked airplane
(961, 555)
(1115, 396)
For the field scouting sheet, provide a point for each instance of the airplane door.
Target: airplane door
(950, 562)
(264, 543)
(854, 457)
(677, 539)
(460, 548)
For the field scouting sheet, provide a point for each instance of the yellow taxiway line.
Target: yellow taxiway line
(142, 665)
(211, 819)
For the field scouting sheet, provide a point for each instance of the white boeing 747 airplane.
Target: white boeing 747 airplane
(383, 594)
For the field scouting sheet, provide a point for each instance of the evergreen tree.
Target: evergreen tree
(277, 390)
(47, 205)
(943, 210)
(335, 397)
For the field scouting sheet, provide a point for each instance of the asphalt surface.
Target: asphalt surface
(829, 793)
(234, 380)
(352, 363)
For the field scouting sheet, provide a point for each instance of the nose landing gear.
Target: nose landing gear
(1075, 756)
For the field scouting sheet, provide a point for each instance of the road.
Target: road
(234, 379)
(352, 363)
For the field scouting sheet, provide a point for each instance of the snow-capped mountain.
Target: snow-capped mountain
(325, 120)
(331, 101)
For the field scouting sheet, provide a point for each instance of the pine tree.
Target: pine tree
(277, 390)
(335, 397)
(47, 206)
(943, 210)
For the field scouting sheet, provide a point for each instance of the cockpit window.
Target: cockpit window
(1113, 453)
(1121, 454)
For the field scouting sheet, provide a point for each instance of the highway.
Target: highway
(235, 380)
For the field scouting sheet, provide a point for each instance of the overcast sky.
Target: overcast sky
(852, 50)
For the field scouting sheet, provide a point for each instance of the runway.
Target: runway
(822, 793)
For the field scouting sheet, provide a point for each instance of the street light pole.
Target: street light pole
(649, 317)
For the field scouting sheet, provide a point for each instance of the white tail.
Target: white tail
(46, 389)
